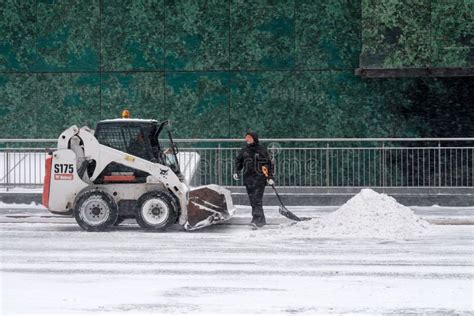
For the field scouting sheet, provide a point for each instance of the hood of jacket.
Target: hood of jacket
(255, 138)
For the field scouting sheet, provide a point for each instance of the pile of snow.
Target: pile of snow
(366, 215)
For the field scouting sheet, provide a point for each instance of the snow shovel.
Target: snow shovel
(283, 210)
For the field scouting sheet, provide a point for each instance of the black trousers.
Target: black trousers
(255, 191)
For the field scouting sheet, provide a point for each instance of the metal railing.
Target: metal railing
(352, 162)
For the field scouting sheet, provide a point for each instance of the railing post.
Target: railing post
(219, 165)
(7, 170)
(439, 163)
(327, 164)
(383, 164)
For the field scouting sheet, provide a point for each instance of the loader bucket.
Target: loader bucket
(208, 204)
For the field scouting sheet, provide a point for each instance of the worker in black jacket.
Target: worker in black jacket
(250, 160)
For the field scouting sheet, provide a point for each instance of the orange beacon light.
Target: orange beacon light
(125, 114)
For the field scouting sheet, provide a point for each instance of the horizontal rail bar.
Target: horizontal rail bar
(323, 139)
(223, 140)
(186, 149)
(27, 140)
(322, 148)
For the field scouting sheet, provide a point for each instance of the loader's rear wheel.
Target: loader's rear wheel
(95, 211)
(156, 210)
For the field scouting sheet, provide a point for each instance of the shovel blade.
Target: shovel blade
(208, 205)
(288, 214)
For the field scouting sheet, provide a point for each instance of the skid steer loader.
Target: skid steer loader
(127, 169)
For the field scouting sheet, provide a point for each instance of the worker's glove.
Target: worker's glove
(270, 182)
(236, 176)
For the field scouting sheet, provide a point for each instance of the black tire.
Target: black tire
(95, 211)
(156, 210)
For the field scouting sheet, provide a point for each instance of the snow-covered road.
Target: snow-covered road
(49, 265)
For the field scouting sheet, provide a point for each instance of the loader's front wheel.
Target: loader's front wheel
(95, 211)
(156, 210)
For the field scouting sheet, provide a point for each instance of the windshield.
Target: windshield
(128, 138)
(169, 148)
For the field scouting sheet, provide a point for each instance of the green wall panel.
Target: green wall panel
(132, 35)
(396, 33)
(339, 104)
(262, 34)
(453, 33)
(17, 34)
(67, 36)
(198, 104)
(262, 102)
(43, 105)
(197, 35)
(434, 106)
(17, 106)
(140, 93)
(417, 34)
(66, 99)
(327, 34)
(319, 105)
(383, 101)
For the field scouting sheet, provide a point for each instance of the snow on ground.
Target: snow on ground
(50, 266)
(21, 190)
(15, 206)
